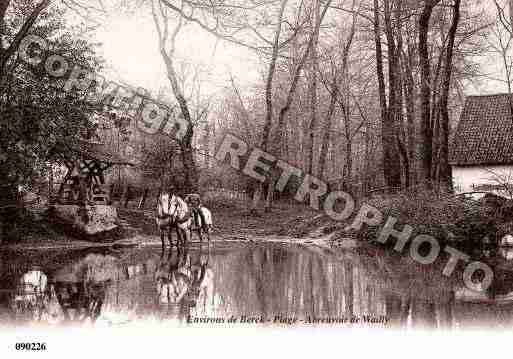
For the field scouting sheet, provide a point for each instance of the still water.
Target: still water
(241, 284)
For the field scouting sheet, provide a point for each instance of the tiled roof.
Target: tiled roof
(485, 132)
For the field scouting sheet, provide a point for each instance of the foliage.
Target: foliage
(39, 117)
(463, 223)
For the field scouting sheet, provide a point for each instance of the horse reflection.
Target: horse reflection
(181, 281)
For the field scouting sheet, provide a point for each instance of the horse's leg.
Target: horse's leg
(199, 234)
(161, 230)
(201, 223)
(178, 236)
(187, 235)
(208, 234)
(194, 222)
(170, 236)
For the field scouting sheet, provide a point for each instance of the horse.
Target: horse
(201, 215)
(173, 211)
(204, 220)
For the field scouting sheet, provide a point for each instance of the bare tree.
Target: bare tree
(445, 169)
(426, 131)
(502, 41)
(312, 127)
(290, 96)
(268, 96)
(161, 19)
(390, 112)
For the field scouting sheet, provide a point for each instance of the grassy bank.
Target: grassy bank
(463, 223)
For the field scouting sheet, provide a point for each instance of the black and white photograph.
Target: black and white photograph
(281, 168)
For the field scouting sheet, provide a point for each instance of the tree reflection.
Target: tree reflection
(30, 296)
(81, 301)
(248, 280)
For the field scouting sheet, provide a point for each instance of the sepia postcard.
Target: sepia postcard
(200, 177)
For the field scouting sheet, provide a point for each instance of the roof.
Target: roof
(484, 132)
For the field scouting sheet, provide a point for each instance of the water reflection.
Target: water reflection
(272, 284)
(182, 281)
(28, 302)
(506, 253)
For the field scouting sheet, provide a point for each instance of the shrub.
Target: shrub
(462, 222)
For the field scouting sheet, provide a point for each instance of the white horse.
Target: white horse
(173, 211)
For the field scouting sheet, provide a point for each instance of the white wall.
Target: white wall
(466, 179)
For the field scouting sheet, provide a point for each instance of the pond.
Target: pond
(229, 284)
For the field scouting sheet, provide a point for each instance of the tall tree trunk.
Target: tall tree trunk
(334, 93)
(266, 131)
(399, 98)
(410, 95)
(367, 159)
(290, 96)
(445, 169)
(348, 165)
(186, 146)
(310, 148)
(435, 113)
(391, 164)
(381, 86)
(326, 134)
(426, 131)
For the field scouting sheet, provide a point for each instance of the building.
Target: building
(481, 156)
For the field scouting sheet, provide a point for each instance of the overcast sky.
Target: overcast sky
(130, 47)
